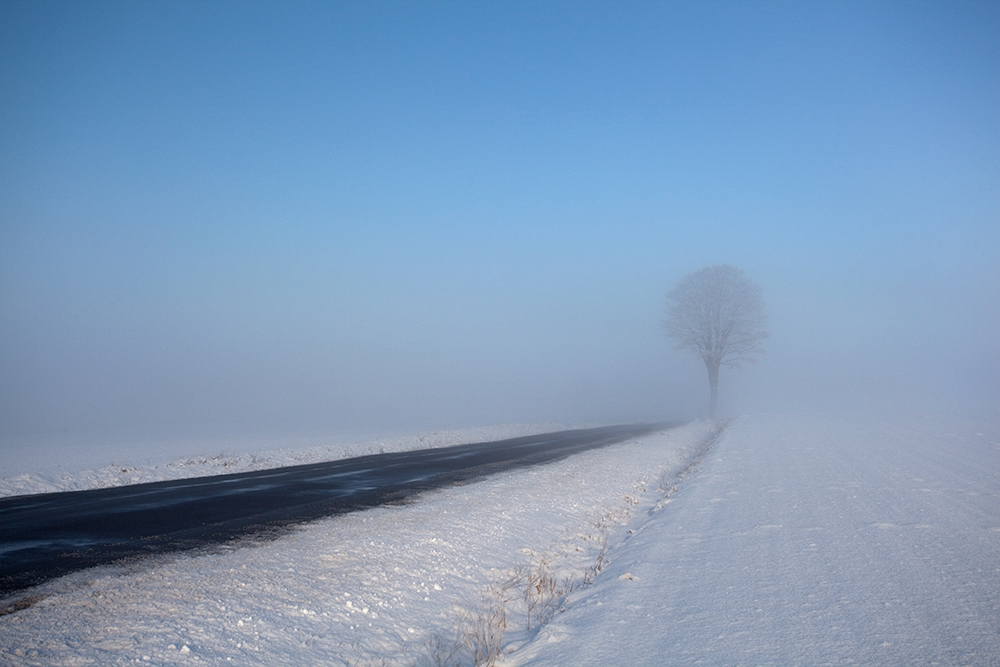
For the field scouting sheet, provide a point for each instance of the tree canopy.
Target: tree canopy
(717, 313)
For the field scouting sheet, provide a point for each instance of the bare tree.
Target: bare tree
(718, 314)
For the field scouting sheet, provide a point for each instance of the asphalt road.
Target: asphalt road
(49, 535)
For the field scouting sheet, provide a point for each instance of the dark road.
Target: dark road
(48, 535)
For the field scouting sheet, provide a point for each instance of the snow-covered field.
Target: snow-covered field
(393, 585)
(806, 541)
(797, 540)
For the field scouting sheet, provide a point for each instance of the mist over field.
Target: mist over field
(226, 219)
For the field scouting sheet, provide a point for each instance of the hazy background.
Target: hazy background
(274, 217)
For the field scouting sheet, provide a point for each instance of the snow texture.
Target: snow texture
(392, 585)
(794, 541)
(806, 542)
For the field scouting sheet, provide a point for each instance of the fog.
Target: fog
(381, 217)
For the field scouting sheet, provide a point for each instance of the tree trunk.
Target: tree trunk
(713, 383)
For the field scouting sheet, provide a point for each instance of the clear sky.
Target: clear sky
(376, 215)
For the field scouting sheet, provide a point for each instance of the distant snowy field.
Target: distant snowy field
(62, 464)
(393, 585)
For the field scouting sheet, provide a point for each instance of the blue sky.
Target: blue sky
(398, 215)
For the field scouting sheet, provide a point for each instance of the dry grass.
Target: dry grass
(533, 592)
(486, 626)
(543, 591)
